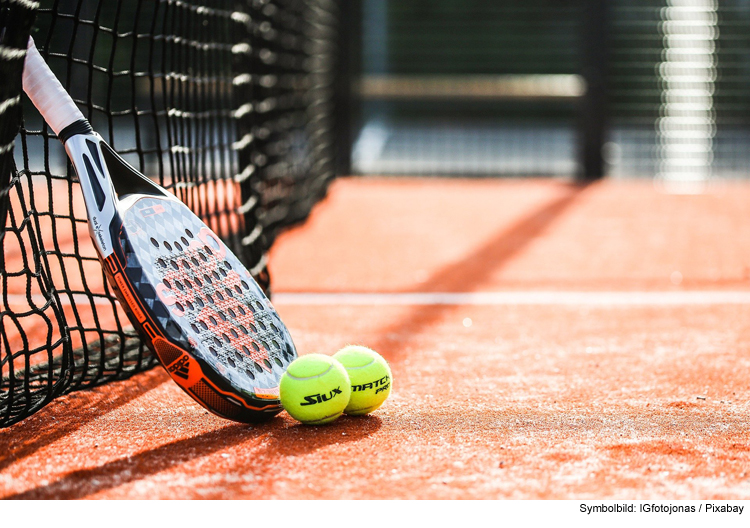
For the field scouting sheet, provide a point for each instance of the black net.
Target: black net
(227, 104)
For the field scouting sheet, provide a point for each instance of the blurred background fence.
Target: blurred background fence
(584, 88)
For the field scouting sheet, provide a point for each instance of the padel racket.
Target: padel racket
(192, 301)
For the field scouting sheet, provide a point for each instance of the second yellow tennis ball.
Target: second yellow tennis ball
(315, 389)
(370, 377)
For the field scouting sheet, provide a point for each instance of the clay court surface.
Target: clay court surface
(547, 341)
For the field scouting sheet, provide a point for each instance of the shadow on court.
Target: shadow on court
(84, 482)
(301, 439)
(473, 271)
(65, 415)
(280, 441)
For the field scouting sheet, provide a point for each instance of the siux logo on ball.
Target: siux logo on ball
(377, 384)
(320, 398)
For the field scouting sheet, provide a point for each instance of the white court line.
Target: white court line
(516, 298)
(562, 298)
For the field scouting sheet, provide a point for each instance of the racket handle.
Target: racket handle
(46, 92)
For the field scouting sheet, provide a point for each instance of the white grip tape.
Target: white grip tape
(46, 92)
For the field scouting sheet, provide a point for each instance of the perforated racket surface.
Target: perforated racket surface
(215, 330)
(191, 299)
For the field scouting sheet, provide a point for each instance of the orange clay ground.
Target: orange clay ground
(539, 395)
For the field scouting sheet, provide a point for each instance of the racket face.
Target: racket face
(209, 322)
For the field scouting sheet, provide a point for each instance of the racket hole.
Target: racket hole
(188, 233)
(238, 289)
(231, 362)
(259, 305)
(260, 323)
(195, 328)
(245, 350)
(229, 292)
(174, 265)
(217, 342)
(243, 330)
(180, 307)
(227, 264)
(208, 250)
(203, 325)
(255, 346)
(268, 364)
(245, 285)
(223, 272)
(219, 295)
(255, 330)
(209, 298)
(177, 246)
(213, 351)
(213, 320)
(231, 312)
(154, 242)
(198, 282)
(189, 305)
(265, 345)
(278, 362)
(167, 284)
(184, 241)
(251, 308)
(167, 245)
(203, 257)
(241, 310)
(216, 275)
(221, 314)
(208, 279)
(258, 368)
(250, 373)
(160, 262)
(238, 356)
(195, 261)
(185, 264)
(234, 333)
(200, 302)
(179, 285)
(188, 284)
(226, 338)
(274, 328)
(275, 344)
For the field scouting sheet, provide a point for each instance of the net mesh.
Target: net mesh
(227, 104)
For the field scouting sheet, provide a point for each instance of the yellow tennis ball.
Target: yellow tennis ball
(370, 378)
(315, 389)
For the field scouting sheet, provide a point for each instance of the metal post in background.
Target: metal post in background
(593, 106)
(348, 70)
